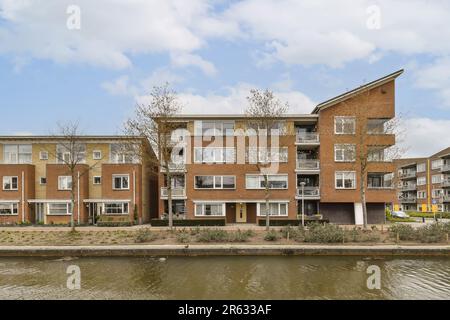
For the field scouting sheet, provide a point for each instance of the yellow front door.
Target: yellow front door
(241, 212)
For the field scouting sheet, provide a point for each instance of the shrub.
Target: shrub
(189, 223)
(212, 235)
(144, 235)
(281, 223)
(240, 236)
(404, 231)
(358, 235)
(431, 233)
(271, 236)
(183, 237)
(326, 233)
(297, 234)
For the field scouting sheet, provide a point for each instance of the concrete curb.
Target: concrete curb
(221, 250)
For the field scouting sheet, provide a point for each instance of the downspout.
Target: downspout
(428, 185)
(134, 192)
(78, 196)
(23, 196)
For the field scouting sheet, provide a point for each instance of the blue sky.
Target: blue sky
(213, 52)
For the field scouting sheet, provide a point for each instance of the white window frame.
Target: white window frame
(260, 212)
(114, 176)
(421, 167)
(93, 180)
(219, 154)
(436, 164)
(344, 118)
(64, 182)
(9, 180)
(261, 180)
(203, 204)
(13, 207)
(214, 182)
(421, 181)
(421, 194)
(436, 193)
(124, 207)
(437, 178)
(343, 173)
(68, 209)
(14, 157)
(267, 155)
(94, 157)
(43, 155)
(342, 148)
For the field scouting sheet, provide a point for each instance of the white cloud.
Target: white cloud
(119, 87)
(158, 77)
(424, 136)
(187, 59)
(436, 76)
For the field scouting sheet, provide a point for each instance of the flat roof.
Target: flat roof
(188, 116)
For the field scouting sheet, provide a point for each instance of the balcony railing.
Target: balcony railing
(307, 137)
(408, 174)
(308, 192)
(174, 166)
(445, 167)
(445, 183)
(308, 164)
(176, 192)
(408, 200)
(408, 187)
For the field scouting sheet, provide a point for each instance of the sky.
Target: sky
(92, 61)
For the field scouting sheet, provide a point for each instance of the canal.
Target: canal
(225, 278)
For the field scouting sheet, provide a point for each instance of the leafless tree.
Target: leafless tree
(154, 121)
(263, 114)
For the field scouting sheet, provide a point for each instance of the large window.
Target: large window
(267, 155)
(214, 155)
(421, 181)
(121, 182)
(8, 208)
(13, 153)
(344, 125)
(64, 153)
(436, 164)
(116, 208)
(376, 126)
(345, 179)
(275, 209)
(65, 183)
(215, 182)
(379, 180)
(421, 194)
(437, 193)
(123, 154)
(375, 154)
(276, 128)
(59, 209)
(437, 178)
(10, 183)
(209, 209)
(344, 152)
(279, 181)
(421, 167)
(214, 128)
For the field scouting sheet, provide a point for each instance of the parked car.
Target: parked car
(400, 214)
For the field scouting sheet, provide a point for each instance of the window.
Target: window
(214, 155)
(59, 208)
(209, 209)
(344, 125)
(120, 154)
(421, 167)
(7, 208)
(436, 164)
(214, 128)
(43, 155)
(65, 183)
(277, 128)
(421, 194)
(65, 152)
(215, 182)
(97, 155)
(437, 193)
(265, 155)
(376, 126)
(121, 182)
(43, 180)
(437, 178)
(275, 209)
(116, 208)
(97, 180)
(345, 180)
(10, 183)
(421, 181)
(379, 180)
(17, 153)
(375, 154)
(258, 181)
(344, 152)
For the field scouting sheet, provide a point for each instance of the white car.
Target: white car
(399, 214)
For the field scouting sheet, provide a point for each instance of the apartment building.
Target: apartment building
(217, 173)
(423, 184)
(37, 183)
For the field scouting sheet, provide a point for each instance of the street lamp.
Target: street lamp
(302, 184)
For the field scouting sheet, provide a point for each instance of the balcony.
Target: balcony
(308, 165)
(308, 193)
(445, 168)
(445, 183)
(178, 166)
(177, 193)
(445, 198)
(408, 200)
(309, 138)
(408, 187)
(408, 175)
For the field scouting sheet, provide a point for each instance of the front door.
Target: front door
(241, 212)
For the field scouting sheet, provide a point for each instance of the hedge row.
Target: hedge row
(189, 223)
(280, 223)
(114, 224)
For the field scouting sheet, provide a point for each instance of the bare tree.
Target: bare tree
(154, 121)
(372, 142)
(71, 152)
(263, 114)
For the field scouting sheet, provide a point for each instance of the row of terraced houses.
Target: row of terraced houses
(314, 169)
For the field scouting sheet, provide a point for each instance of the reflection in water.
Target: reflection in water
(225, 278)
